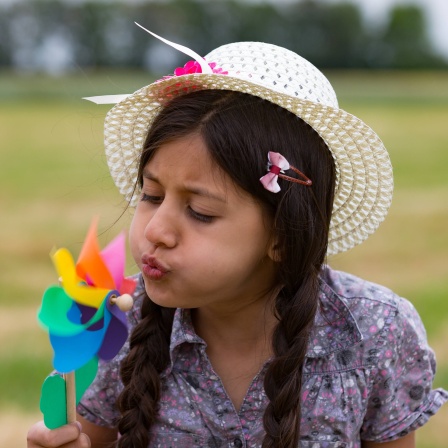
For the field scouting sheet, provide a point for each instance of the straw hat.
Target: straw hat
(364, 172)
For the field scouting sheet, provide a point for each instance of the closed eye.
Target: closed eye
(151, 199)
(157, 200)
(200, 216)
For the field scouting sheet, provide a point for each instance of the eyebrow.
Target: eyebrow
(195, 190)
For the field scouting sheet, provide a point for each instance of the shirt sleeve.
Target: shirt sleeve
(401, 397)
(98, 404)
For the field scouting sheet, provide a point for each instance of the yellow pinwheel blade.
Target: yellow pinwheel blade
(73, 285)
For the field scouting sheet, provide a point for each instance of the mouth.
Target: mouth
(153, 268)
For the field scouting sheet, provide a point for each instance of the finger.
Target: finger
(82, 441)
(40, 436)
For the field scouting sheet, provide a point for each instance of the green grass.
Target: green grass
(416, 138)
(390, 87)
(24, 377)
(54, 178)
(432, 305)
(49, 146)
(23, 88)
(441, 378)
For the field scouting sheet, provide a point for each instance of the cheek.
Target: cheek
(230, 250)
(136, 234)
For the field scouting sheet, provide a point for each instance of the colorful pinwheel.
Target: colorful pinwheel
(85, 318)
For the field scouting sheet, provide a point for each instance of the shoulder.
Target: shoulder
(356, 313)
(368, 302)
(352, 289)
(368, 353)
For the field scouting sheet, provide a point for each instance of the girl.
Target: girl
(241, 335)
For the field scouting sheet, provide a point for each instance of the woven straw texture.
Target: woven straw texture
(364, 172)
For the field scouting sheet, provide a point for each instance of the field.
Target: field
(54, 178)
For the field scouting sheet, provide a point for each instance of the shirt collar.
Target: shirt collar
(334, 328)
(183, 330)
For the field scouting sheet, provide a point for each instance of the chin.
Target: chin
(167, 302)
(162, 299)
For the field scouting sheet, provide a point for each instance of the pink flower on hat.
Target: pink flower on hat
(189, 68)
(193, 67)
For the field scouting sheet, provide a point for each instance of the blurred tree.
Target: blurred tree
(329, 35)
(5, 39)
(258, 22)
(345, 36)
(90, 29)
(406, 41)
(54, 35)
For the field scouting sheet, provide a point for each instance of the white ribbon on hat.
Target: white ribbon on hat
(114, 99)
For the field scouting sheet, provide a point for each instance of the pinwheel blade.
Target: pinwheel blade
(72, 352)
(90, 265)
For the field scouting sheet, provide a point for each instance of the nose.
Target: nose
(161, 229)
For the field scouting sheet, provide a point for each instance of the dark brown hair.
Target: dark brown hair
(239, 130)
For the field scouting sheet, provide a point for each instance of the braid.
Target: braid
(303, 235)
(283, 380)
(148, 357)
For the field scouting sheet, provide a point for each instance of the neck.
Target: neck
(244, 326)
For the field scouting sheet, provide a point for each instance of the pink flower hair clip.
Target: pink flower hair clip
(277, 165)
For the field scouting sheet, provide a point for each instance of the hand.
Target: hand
(67, 436)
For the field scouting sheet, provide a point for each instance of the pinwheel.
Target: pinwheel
(85, 318)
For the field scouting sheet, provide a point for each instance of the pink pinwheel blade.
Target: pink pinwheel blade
(113, 256)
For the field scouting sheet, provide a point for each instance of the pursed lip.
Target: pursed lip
(153, 268)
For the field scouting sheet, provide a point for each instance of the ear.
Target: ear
(274, 251)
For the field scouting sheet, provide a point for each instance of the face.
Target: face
(199, 240)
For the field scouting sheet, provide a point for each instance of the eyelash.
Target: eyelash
(151, 199)
(194, 214)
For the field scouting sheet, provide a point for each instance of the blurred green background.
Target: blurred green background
(54, 179)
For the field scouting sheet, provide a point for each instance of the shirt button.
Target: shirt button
(237, 443)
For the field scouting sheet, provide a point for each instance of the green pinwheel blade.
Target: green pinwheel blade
(53, 313)
(84, 377)
(53, 401)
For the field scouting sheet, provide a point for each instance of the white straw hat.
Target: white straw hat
(364, 182)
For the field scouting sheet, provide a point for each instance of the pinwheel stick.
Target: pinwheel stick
(70, 390)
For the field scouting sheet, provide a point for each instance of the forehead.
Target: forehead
(184, 150)
(186, 160)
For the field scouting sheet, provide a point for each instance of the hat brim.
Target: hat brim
(364, 183)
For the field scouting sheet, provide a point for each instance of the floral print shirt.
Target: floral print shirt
(367, 376)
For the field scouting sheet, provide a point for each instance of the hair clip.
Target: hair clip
(277, 165)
